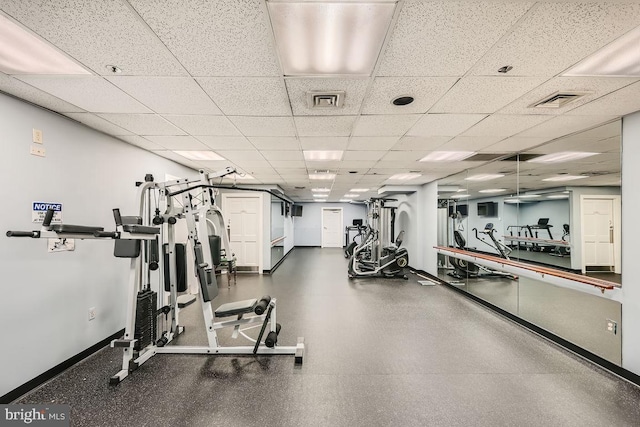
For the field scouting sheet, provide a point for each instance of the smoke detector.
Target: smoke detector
(558, 99)
(325, 99)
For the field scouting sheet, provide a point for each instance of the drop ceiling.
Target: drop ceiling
(205, 75)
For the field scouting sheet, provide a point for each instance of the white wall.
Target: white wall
(630, 247)
(46, 297)
(308, 227)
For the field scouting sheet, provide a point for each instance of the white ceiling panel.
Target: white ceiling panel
(564, 125)
(404, 156)
(503, 125)
(324, 142)
(97, 33)
(284, 167)
(372, 142)
(248, 96)
(322, 165)
(355, 90)
(445, 38)
(204, 125)
(141, 142)
(178, 142)
(514, 144)
(98, 123)
(29, 93)
(483, 94)
(264, 126)
(282, 154)
(425, 91)
(167, 95)
(249, 165)
(363, 155)
(242, 155)
(325, 126)
(357, 165)
(444, 124)
(91, 93)
(553, 36)
(143, 124)
(235, 36)
(168, 154)
(226, 142)
(275, 142)
(417, 143)
(391, 125)
(469, 143)
(621, 102)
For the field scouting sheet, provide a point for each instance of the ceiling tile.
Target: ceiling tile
(481, 94)
(235, 35)
(248, 165)
(372, 142)
(91, 93)
(429, 143)
(275, 142)
(177, 142)
(404, 156)
(248, 96)
(391, 125)
(141, 142)
(98, 123)
(264, 126)
(425, 91)
(325, 126)
(621, 102)
(502, 125)
(324, 142)
(445, 38)
(213, 165)
(514, 144)
(355, 90)
(168, 154)
(322, 165)
(564, 125)
(553, 36)
(357, 165)
(29, 93)
(282, 154)
(204, 125)
(597, 86)
(97, 34)
(242, 155)
(226, 142)
(167, 95)
(363, 155)
(288, 167)
(469, 143)
(143, 124)
(444, 124)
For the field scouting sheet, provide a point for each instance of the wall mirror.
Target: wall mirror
(278, 212)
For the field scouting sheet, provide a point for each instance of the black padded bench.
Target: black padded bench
(236, 308)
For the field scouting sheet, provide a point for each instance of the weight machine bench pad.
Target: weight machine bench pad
(75, 229)
(140, 229)
(235, 308)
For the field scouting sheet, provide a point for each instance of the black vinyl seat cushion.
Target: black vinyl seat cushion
(235, 308)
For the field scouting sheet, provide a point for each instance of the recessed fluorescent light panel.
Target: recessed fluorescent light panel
(322, 176)
(321, 190)
(447, 156)
(621, 58)
(320, 195)
(351, 195)
(404, 176)
(484, 177)
(565, 178)
(200, 155)
(22, 52)
(460, 196)
(558, 196)
(320, 155)
(528, 196)
(359, 190)
(493, 190)
(564, 156)
(329, 37)
(345, 200)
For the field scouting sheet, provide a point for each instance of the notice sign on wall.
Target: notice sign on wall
(40, 210)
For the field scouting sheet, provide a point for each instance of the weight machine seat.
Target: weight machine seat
(140, 229)
(235, 308)
(75, 229)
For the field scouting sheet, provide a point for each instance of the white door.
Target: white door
(243, 218)
(598, 232)
(332, 227)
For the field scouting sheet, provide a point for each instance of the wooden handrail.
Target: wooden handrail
(598, 283)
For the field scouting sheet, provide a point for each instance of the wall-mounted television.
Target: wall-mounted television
(488, 209)
(463, 209)
(296, 210)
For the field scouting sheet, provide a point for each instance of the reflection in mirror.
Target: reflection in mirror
(278, 208)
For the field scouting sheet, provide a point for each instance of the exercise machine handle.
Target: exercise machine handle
(34, 234)
(117, 217)
(111, 234)
(48, 217)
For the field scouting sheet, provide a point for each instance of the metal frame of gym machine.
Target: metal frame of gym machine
(197, 198)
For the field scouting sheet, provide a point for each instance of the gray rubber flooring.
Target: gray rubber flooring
(380, 352)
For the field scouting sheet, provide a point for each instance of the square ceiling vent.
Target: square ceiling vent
(324, 99)
(558, 99)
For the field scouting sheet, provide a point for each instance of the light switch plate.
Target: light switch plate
(37, 136)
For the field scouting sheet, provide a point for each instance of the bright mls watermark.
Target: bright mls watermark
(35, 415)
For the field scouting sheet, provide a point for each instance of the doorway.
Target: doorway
(601, 235)
(243, 216)
(332, 227)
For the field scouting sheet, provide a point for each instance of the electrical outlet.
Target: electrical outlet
(37, 136)
(92, 313)
(612, 326)
(38, 151)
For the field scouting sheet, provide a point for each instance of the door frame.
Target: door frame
(260, 197)
(322, 245)
(617, 229)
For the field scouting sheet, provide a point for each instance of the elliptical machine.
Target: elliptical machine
(378, 254)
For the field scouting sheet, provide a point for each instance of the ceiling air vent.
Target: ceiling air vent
(483, 157)
(521, 157)
(322, 99)
(558, 99)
